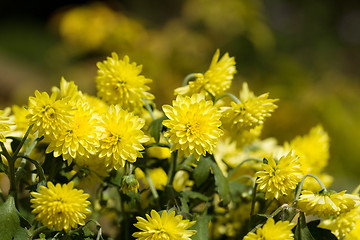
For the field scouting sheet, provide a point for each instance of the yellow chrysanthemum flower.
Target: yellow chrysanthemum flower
(342, 224)
(249, 113)
(279, 179)
(326, 203)
(60, 206)
(273, 231)
(182, 181)
(5, 124)
(193, 125)
(354, 234)
(216, 80)
(166, 227)
(158, 177)
(119, 82)
(21, 122)
(49, 116)
(122, 139)
(312, 149)
(68, 90)
(79, 138)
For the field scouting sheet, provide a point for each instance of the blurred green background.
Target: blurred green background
(306, 53)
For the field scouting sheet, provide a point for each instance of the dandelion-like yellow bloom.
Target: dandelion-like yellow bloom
(273, 231)
(279, 179)
(122, 139)
(216, 80)
(60, 206)
(80, 138)
(49, 116)
(342, 224)
(166, 227)
(326, 203)
(118, 82)
(194, 125)
(250, 112)
(312, 149)
(5, 124)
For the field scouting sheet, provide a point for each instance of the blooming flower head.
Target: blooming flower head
(118, 82)
(5, 124)
(157, 175)
(273, 231)
(68, 90)
(341, 225)
(60, 206)
(326, 203)
(216, 80)
(193, 125)
(250, 112)
(279, 179)
(21, 122)
(354, 234)
(122, 139)
(166, 227)
(49, 116)
(79, 138)
(312, 149)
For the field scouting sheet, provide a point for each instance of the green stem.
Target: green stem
(151, 185)
(11, 175)
(22, 141)
(37, 231)
(244, 177)
(245, 161)
(39, 169)
(253, 200)
(147, 106)
(172, 168)
(235, 99)
(300, 186)
(188, 78)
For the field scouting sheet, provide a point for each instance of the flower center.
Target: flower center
(192, 128)
(49, 112)
(161, 234)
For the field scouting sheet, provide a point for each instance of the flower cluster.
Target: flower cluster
(197, 166)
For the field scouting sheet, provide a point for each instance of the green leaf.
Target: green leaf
(301, 231)
(201, 227)
(221, 182)
(155, 128)
(21, 234)
(193, 195)
(320, 233)
(8, 215)
(202, 170)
